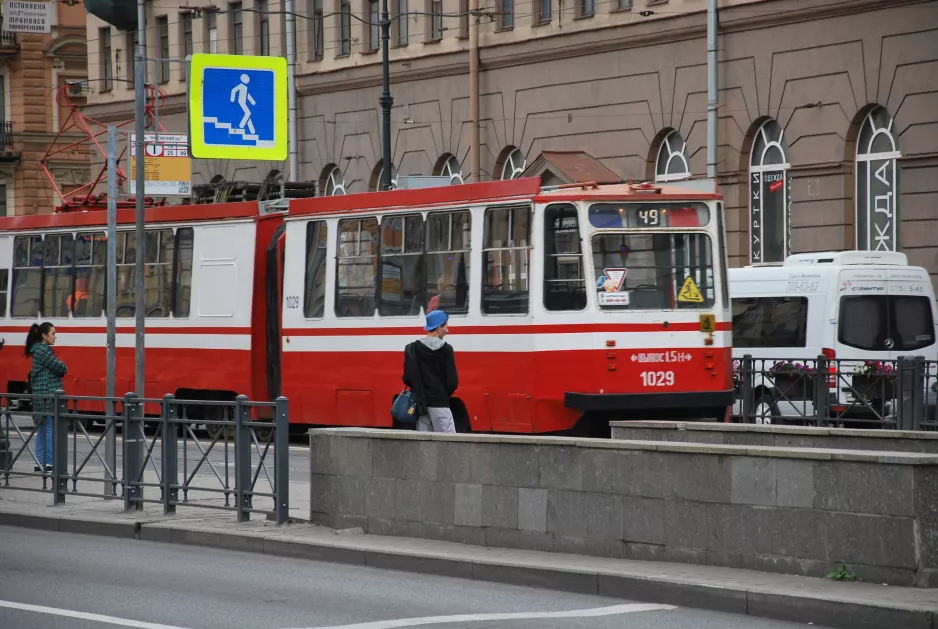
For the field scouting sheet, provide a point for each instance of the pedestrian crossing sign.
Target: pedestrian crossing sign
(690, 292)
(238, 107)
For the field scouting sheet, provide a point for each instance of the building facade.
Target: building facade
(828, 110)
(32, 110)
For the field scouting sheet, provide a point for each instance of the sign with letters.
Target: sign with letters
(28, 17)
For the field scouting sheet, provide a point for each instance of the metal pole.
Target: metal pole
(134, 438)
(712, 90)
(110, 444)
(385, 101)
(291, 91)
(140, 66)
(474, 142)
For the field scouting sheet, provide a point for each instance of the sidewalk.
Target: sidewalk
(783, 597)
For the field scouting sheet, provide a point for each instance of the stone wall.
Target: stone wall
(778, 436)
(794, 510)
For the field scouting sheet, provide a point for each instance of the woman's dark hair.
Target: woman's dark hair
(36, 332)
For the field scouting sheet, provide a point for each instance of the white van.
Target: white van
(849, 305)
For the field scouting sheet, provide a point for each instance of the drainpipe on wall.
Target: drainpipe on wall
(291, 91)
(474, 150)
(712, 91)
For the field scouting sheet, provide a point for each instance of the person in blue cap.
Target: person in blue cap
(430, 372)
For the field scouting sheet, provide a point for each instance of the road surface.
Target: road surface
(56, 580)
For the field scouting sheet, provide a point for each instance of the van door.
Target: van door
(911, 308)
(863, 317)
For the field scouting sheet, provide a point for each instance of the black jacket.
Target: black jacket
(431, 374)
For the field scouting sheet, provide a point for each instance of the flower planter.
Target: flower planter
(794, 386)
(874, 387)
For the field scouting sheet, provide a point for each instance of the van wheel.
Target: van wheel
(764, 410)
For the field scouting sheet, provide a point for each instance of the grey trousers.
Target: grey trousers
(436, 420)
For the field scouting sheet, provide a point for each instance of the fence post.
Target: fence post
(822, 398)
(747, 387)
(59, 447)
(282, 460)
(918, 400)
(170, 453)
(910, 392)
(133, 427)
(243, 465)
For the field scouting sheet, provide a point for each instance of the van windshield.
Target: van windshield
(884, 323)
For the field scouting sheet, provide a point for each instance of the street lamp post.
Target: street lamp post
(385, 101)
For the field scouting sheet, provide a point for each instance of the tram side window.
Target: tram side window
(183, 279)
(564, 280)
(27, 276)
(126, 259)
(4, 288)
(402, 285)
(158, 272)
(447, 274)
(57, 284)
(506, 252)
(88, 299)
(314, 299)
(356, 267)
(770, 321)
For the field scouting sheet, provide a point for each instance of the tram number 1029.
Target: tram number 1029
(657, 378)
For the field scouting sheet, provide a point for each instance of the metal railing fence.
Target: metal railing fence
(899, 394)
(244, 461)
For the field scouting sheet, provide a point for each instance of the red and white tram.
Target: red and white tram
(567, 305)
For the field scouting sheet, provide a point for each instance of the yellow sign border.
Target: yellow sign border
(198, 149)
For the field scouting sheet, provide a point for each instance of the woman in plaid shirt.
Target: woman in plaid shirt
(45, 379)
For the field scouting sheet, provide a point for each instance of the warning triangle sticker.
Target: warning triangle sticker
(690, 293)
(614, 279)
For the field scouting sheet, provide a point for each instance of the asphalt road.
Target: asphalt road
(56, 580)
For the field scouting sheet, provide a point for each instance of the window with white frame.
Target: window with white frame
(672, 163)
(769, 200)
(877, 178)
(514, 165)
(333, 183)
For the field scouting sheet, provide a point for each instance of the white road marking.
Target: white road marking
(439, 620)
(111, 620)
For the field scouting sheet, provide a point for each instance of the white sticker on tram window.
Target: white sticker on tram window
(613, 299)
(671, 356)
(615, 278)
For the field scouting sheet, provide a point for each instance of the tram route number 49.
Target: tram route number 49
(658, 378)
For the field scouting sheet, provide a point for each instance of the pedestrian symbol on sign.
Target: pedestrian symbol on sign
(233, 115)
(240, 92)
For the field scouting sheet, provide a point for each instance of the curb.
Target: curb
(828, 612)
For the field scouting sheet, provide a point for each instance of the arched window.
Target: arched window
(332, 182)
(450, 168)
(513, 163)
(769, 202)
(672, 164)
(877, 198)
(378, 173)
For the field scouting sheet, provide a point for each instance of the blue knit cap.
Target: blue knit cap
(435, 319)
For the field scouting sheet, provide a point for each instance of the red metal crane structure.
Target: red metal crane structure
(94, 137)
